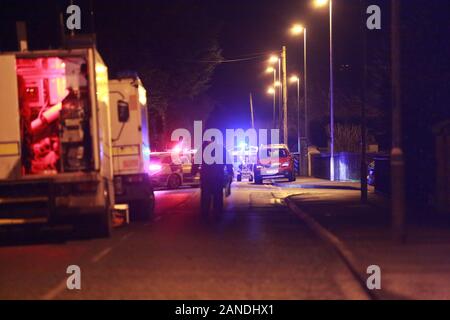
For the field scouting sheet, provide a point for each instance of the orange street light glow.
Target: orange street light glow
(270, 70)
(273, 59)
(320, 3)
(271, 90)
(294, 78)
(297, 29)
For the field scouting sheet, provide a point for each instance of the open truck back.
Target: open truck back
(131, 148)
(55, 135)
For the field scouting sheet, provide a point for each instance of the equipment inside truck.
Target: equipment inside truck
(54, 115)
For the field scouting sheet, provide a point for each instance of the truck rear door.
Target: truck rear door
(9, 119)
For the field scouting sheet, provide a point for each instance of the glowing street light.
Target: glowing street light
(320, 3)
(277, 84)
(271, 91)
(297, 29)
(270, 70)
(273, 59)
(294, 79)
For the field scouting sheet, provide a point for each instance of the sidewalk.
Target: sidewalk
(418, 269)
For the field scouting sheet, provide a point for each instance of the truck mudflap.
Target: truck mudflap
(24, 202)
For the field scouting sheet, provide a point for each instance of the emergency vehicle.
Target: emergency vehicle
(165, 173)
(131, 147)
(55, 134)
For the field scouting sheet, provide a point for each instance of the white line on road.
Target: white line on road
(57, 290)
(100, 255)
(126, 236)
(53, 293)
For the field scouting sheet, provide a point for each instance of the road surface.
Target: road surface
(256, 250)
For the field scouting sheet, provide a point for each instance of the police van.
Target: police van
(166, 173)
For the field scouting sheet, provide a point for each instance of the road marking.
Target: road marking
(57, 290)
(126, 236)
(100, 255)
(53, 293)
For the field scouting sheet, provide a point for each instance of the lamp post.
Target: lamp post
(274, 71)
(296, 30)
(321, 3)
(296, 79)
(273, 60)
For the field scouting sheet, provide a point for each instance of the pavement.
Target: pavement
(256, 250)
(416, 269)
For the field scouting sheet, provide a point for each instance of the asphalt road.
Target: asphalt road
(256, 250)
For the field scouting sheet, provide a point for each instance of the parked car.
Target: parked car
(274, 161)
(165, 173)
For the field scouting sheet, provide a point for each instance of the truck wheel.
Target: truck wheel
(142, 210)
(174, 181)
(239, 178)
(258, 180)
(94, 226)
(250, 178)
(102, 225)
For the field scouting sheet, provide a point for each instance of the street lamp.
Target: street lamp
(320, 3)
(273, 59)
(271, 91)
(274, 71)
(296, 30)
(317, 4)
(296, 79)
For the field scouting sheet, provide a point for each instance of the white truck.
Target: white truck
(131, 148)
(55, 133)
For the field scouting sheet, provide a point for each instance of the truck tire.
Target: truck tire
(102, 225)
(97, 225)
(174, 181)
(258, 180)
(239, 178)
(94, 225)
(142, 210)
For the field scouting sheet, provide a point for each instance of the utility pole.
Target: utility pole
(305, 82)
(284, 86)
(363, 165)
(251, 111)
(331, 96)
(397, 161)
(274, 115)
(280, 95)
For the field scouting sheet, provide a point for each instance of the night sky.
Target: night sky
(246, 28)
